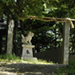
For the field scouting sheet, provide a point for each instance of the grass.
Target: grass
(9, 58)
(13, 58)
(38, 61)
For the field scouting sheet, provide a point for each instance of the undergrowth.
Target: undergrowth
(13, 58)
(68, 70)
(9, 58)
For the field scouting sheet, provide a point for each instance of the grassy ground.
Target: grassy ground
(13, 65)
(13, 58)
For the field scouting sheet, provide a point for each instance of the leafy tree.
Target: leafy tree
(21, 9)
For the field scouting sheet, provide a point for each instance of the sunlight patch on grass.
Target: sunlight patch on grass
(15, 59)
(38, 61)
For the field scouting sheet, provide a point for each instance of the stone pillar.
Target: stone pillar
(10, 37)
(66, 34)
(27, 52)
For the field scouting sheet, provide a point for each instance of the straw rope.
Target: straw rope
(48, 19)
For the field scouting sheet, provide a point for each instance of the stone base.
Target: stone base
(27, 52)
(28, 58)
(28, 46)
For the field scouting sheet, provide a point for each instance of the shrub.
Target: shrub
(9, 57)
(68, 70)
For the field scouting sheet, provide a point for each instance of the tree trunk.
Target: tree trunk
(10, 37)
(0, 43)
(14, 38)
(22, 27)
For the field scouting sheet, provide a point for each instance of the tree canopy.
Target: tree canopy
(16, 9)
(23, 8)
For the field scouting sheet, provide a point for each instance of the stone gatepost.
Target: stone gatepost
(65, 52)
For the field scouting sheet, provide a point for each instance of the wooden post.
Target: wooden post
(10, 37)
(66, 34)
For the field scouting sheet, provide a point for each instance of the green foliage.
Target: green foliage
(13, 58)
(9, 57)
(69, 69)
(44, 38)
(21, 8)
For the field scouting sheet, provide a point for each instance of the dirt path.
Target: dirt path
(27, 69)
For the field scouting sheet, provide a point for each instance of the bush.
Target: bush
(68, 70)
(9, 57)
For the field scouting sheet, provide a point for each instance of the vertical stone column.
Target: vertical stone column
(66, 34)
(10, 37)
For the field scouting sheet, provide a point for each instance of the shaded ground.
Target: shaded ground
(27, 69)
